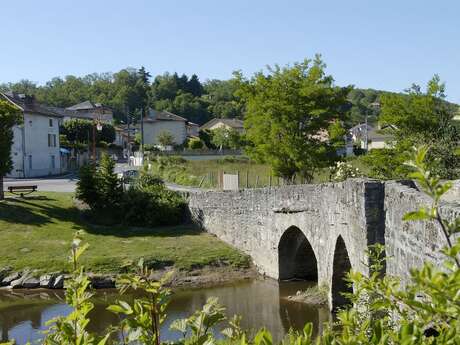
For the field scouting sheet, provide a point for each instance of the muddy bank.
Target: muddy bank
(312, 296)
(203, 277)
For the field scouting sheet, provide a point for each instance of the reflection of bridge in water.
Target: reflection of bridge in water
(262, 303)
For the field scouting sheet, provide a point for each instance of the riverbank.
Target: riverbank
(199, 278)
(36, 232)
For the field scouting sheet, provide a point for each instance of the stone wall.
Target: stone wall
(409, 244)
(254, 220)
(360, 212)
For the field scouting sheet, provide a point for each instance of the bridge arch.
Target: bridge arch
(296, 257)
(341, 266)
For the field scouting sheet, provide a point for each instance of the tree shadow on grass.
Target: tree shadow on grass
(13, 212)
(32, 211)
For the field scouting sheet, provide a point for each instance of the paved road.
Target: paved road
(57, 184)
(68, 184)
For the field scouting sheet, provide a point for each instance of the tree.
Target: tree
(337, 134)
(287, 109)
(9, 116)
(423, 118)
(143, 87)
(194, 86)
(79, 131)
(195, 144)
(108, 185)
(226, 138)
(166, 138)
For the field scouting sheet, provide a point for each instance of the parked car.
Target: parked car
(128, 176)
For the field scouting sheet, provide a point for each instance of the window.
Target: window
(30, 162)
(51, 122)
(53, 162)
(52, 140)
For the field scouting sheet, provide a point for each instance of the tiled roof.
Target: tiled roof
(155, 115)
(28, 104)
(234, 123)
(86, 105)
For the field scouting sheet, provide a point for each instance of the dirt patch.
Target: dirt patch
(312, 296)
(207, 276)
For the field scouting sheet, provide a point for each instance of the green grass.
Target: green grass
(206, 172)
(36, 233)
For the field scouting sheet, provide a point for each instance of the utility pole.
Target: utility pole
(128, 118)
(94, 139)
(366, 136)
(142, 131)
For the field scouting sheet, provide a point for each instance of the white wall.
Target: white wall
(153, 129)
(223, 125)
(16, 153)
(30, 145)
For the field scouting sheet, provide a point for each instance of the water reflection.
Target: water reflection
(23, 315)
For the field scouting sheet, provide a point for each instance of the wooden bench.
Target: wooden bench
(22, 190)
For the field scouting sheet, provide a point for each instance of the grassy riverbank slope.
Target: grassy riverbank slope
(193, 172)
(36, 233)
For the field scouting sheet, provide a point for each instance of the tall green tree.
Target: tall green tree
(424, 118)
(287, 110)
(143, 86)
(9, 116)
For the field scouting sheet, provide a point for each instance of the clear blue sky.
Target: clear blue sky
(379, 44)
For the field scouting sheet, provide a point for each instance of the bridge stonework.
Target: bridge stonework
(321, 231)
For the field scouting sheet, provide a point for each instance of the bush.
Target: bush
(101, 190)
(343, 170)
(195, 144)
(146, 203)
(152, 206)
(87, 186)
(146, 180)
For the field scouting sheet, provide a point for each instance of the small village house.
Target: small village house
(157, 122)
(377, 137)
(89, 111)
(235, 124)
(193, 130)
(35, 150)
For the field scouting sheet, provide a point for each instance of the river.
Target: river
(23, 314)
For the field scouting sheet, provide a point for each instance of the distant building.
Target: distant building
(122, 138)
(377, 137)
(193, 130)
(235, 124)
(35, 150)
(87, 111)
(157, 122)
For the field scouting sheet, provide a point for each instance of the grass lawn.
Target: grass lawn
(36, 232)
(194, 172)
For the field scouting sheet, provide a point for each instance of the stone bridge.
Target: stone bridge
(318, 232)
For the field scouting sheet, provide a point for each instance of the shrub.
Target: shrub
(87, 186)
(195, 144)
(145, 180)
(109, 189)
(153, 205)
(343, 170)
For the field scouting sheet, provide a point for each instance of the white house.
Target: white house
(89, 111)
(235, 124)
(35, 150)
(377, 137)
(157, 122)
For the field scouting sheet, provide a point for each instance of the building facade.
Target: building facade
(158, 122)
(234, 124)
(35, 150)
